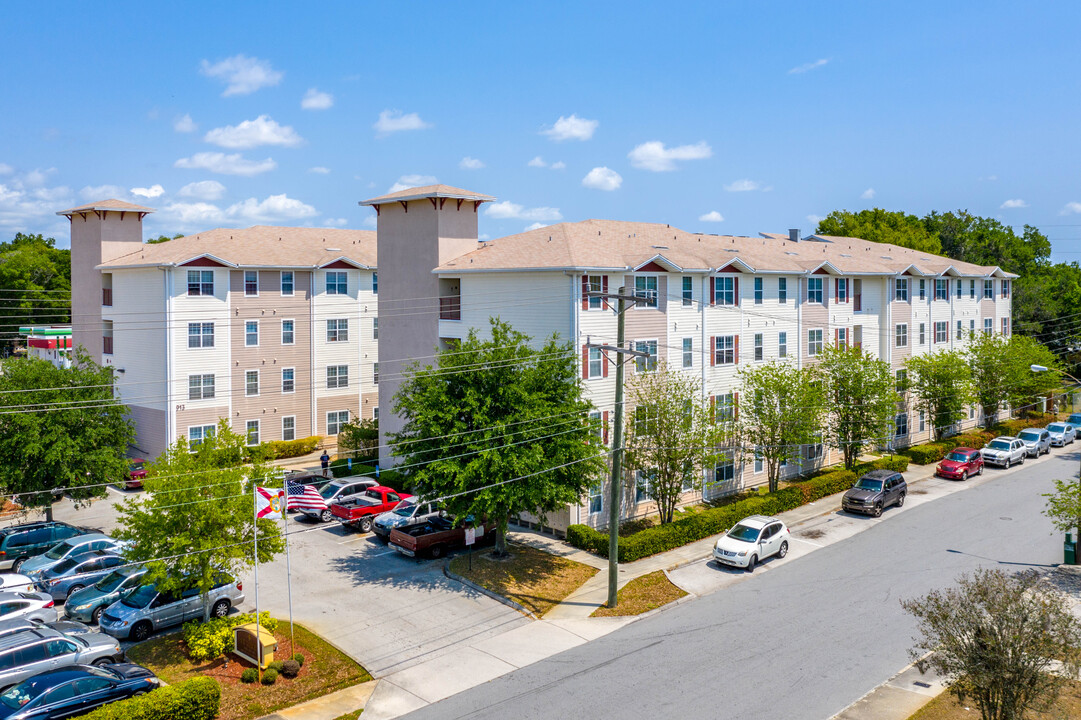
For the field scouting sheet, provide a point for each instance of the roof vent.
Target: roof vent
(886, 257)
(659, 247)
(845, 255)
(793, 234)
(333, 249)
(789, 252)
(731, 250)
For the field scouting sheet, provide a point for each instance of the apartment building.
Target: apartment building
(710, 305)
(273, 328)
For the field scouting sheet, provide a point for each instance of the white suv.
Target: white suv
(752, 540)
(1004, 451)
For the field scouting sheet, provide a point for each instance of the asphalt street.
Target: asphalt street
(801, 641)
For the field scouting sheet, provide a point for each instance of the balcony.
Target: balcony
(107, 344)
(107, 297)
(450, 308)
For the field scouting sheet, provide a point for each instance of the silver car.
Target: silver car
(38, 607)
(407, 512)
(28, 653)
(146, 610)
(35, 566)
(1037, 441)
(338, 491)
(74, 573)
(1062, 434)
(64, 627)
(1004, 451)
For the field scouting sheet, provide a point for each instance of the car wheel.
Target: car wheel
(102, 661)
(783, 549)
(964, 475)
(1006, 466)
(751, 563)
(95, 616)
(1022, 461)
(220, 609)
(437, 551)
(137, 693)
(141, 631)
(326, 516)
(980, 471)
(365, 525)
(878, 510)
(18, 565)
(901, 499)
(74, 589)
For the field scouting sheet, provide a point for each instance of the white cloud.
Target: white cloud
(1013, 203)
(470, 163)
(38, 176)
(535, 226)
(815, 219)
(537, 162)
(335, 222)
(711, 216)
(558, 165)
(188, 215)
(391, 121)
(102, 192)
(411, 181)
(653, 155)
(185, 124)
(1071, 208)
(319, 170)
(243, 75)
(992, 178)
(275, 207)
(224, 164)
(32, 210)
(263, 130)
(316, 100)
(6, 169)
(571, 128)
(52, 195)
(202, 190)
(506, 209)
(807, 67)
(371, 222)
(745, 186)
(868, 194)
(602, 178)
(149, 192)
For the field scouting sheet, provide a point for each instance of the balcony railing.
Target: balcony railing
(107, 344)
(107, 297)
(450, 308)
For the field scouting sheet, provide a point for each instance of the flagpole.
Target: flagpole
(258, 632)
(288, 569)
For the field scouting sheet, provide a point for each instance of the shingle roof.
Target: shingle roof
(107, 205)
(259, 246)
(444, 191)
(617, 245)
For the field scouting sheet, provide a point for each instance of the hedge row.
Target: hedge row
(714, 521)
(195, 699)
(280, 449)
(933, 452)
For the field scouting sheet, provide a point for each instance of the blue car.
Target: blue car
(35, 566)
(74, 573)
(74, 690)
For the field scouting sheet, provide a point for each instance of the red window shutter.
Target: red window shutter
(604, 427)
(585, 363)
(713, 291)
(836, 336)
(604, 303)
(735, 406)
(585, 289)
(712, 351)
(604, 363)
(837, 289)
(736, 346)
(735, 290)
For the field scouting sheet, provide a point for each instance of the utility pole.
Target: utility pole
(616, 486)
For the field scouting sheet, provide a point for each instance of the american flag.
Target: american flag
(303, 497)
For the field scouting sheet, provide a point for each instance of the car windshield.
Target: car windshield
(141, 597)
(1032, 435)
(59, 551)
(869, 484)
(999, 445)
(959, 457)
(1074, 419)
(64, 566)
(137, 466)
(111, 581)
(744, 533)
(1057, 427)
(24, 692)
(328, 490)
(405, 508)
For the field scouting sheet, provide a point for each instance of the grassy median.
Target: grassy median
(947, 707)
(642, 594)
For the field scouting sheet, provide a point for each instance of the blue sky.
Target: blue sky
(717, 117)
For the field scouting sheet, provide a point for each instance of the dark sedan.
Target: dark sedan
(74, 690)
(876, 491)
(960, 464)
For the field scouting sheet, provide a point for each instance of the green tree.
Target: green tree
(196, 519)
(986, 357)
(497, 428)
(163, 238)
(1025, 388)
(998, 640)
(36, 281)
(60, 428)
(986, 241)
(672, 437)
(359, 439)
(878, 225)
(781, 411)
(942, 387)
(862, 399)
(1064, 506)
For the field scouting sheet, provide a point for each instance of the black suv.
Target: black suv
(876, 491)
(19, 543)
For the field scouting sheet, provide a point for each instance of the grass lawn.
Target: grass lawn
(532, 578)
(325, 670)
(642, 595)
(946, 707)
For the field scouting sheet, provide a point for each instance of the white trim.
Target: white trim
(281, 283)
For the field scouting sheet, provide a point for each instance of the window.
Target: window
(198, 433)
(1005, 288)
(724, 350)
(287, 282)
(688, 290)
(375, 328)
(595, 286)
(288, 380)
(375, 373)
(688, 352)
(814, 290)
(902, 382)
(335, 420)
(923, 289)
(725, 471)
(641, 485)
(200, 387)
(337, 283)
(942, 289)
(1005, 326)
(375, 283)
(900, 289)
(646, 287)
(942, 332)
(971, 327)
(902, 335)
(782, 344)
(596, 363)
(725, 408)
(251, 283)
(646, 364)
(813, 451)
(337, 376)
(900, 424)
(724, 291)
(251, 382)
(971, 289)
(958, 287)
(251, 430)
(200, 282)
(842, 337)
(988, 289)
(375, 413)
(814, 342)
(251, 333)
(759, 291)
(289, 427)
(338, 330)
(200, 335)
(288, 336)
(759, 463)
(596, 498)
(960, 330)
(923, 420)
(988, 326)
(759, 351)
(923, 334)
(842, 289)
(595, 422)
(782, 290)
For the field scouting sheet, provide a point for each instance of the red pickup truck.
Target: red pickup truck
(435, 536)
(359, 511)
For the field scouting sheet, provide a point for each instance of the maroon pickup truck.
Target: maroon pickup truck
(359, 511)
(435, 536)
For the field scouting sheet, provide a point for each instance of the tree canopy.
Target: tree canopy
(861, 399)
(878, 225)
(942, 387)
(36, 280)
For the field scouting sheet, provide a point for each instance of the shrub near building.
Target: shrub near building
(195, 699)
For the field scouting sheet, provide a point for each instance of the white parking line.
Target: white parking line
(386, 552)
(817, 545)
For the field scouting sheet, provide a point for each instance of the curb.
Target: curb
(881, 685)
(485, 591)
